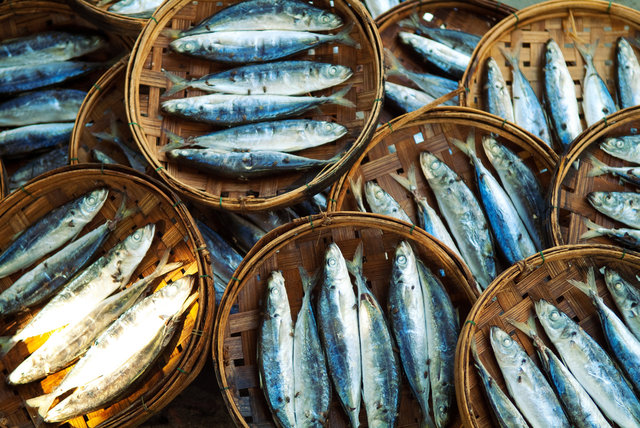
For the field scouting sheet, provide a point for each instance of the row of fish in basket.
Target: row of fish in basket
(112, 333)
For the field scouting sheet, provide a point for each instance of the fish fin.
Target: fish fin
(42, 403)
(122, 213)
(356, 189)
(412, 22)
(344, 38)
(6, 344)
(102, 3)
(410, 182)
(598, 167)
(355, 268)
(589, 288)
(395, 66)
(171, 33)
(404, 182)
(309, 281)
(177, 83)
(187, 304)
(164, 267)
(512, 56)
(468, 148)
(175, 141)
(528, 327)
(594, 230)
(586, 51)
(338, 97)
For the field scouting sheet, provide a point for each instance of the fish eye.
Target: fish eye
(325, 18)
(554, 315)
(333, 70)
(332, 261)
(328, 127)
(435, 164)
(620, 143)
(618, 286)
(402, 260)
(137, 236)
(91, 200)
(379, 194)
(275, 290)
(507, 341)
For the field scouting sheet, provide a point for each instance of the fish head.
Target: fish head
(324, 19)
(606, 201)
(552, 319)
(494, 150)
(91, 43)
(184, 45)
(93, 202)
(376, 197)
(404, 258)
(331, 129)
(335, 267)
(407, 38)
(619, 289)
(170, 298)
(615, 146)
(277, 300)
(121, 5)
(504, 347)
(432, 167)
(494, 75)
(138, 242)
(335, 73)
(553, 53)
(174, 106)
(625, 51)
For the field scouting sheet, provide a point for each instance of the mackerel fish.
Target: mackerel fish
(464, 216)
(625, 237)
(256, 46)
(629, 174)
(275, 352)
(245, 234)
(511, 234)
(455, 39)
(625, 346)
(442, 337)
(506, 412)
(596, 99)
(450, 61)
(526, 384)
(581, 409)
(134, 157)
(409, 325)
(626, 297)
(527, 110)
(278, 136)
(407, 99)
(225, 259)
(39, 165)
(498, 97)
(245, 165)
(625, 147)
(48, 46)
(100, 374)
(25, 78)
(381, 375)
(267, 15)
(428, 219)
(135, 8)
(51, 231)
(521, 185)
(275, 78)
(53, 105)
(591, 365)
(338, 322)
(432, 85)
(621, 206)
(67, 344)
(46, 278)
(225, 109)
(311, 400)
(28, 139)
(628, 74)
(87, 289)
(560, 95)
(383, 203)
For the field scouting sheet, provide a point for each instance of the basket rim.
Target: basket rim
(462, 360)
(136, 62)
(271, 243)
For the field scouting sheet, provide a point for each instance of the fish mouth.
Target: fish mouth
(594, 200)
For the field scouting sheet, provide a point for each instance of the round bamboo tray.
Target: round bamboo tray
(234, 348)
(102, 104)
(145, 83)
(182, 360)
(570, 185)
(398, 144)
(512, 295)
(3, 180)
(474, 16)
(128, 27)
(530, 28)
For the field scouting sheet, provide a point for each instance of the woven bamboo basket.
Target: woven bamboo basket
(182, 360)
(3, 180)
(234, 347)
(570, 185)
(591, 20)
(129, 28)
(398, 144)
(512, 295)
(145, 83)
(475, 17)
(103, 102)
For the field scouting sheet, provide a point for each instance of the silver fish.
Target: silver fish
(225, 109)
(25, 78)
(409, 325)
(407, 99)
(244, 233)
(134, 157)
(53, 105)
(521, 185)
(626, 237)
(498, 97)
(225, 259)
(275, 352)
(625, 147)
(256, 46)
(279, 136)
(51, 231)
(338, 322)
(621, 206)
(560, 95)
(626, 297)
(591, 365)
(455, 39)
(527, 110)
(80, 295)
(39, 165)
(101, 157)
(625, 173)
(464, 216)
(381, 202)
(526, 384)
(135, 8)
(28, 139)
(450, 61)
(378, 7)
(628, 74)
(274, 78)
(596, 99)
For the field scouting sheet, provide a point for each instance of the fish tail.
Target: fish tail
(468, 148)
(171, 33)
(122, 213)
(308, 281)
(587, 51)
(395, 66)
(589, 288)
(338, 97)
(594, 231)
(6, 344)
(102, 3)
(599, 167)
(412, 22)
(512, 56)
(356, 189)
(344, 37)
(175, 141)
(404, 182)
(355, 266)
(164, 267)
(177, 83)
(528, 327)
(42, 403)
